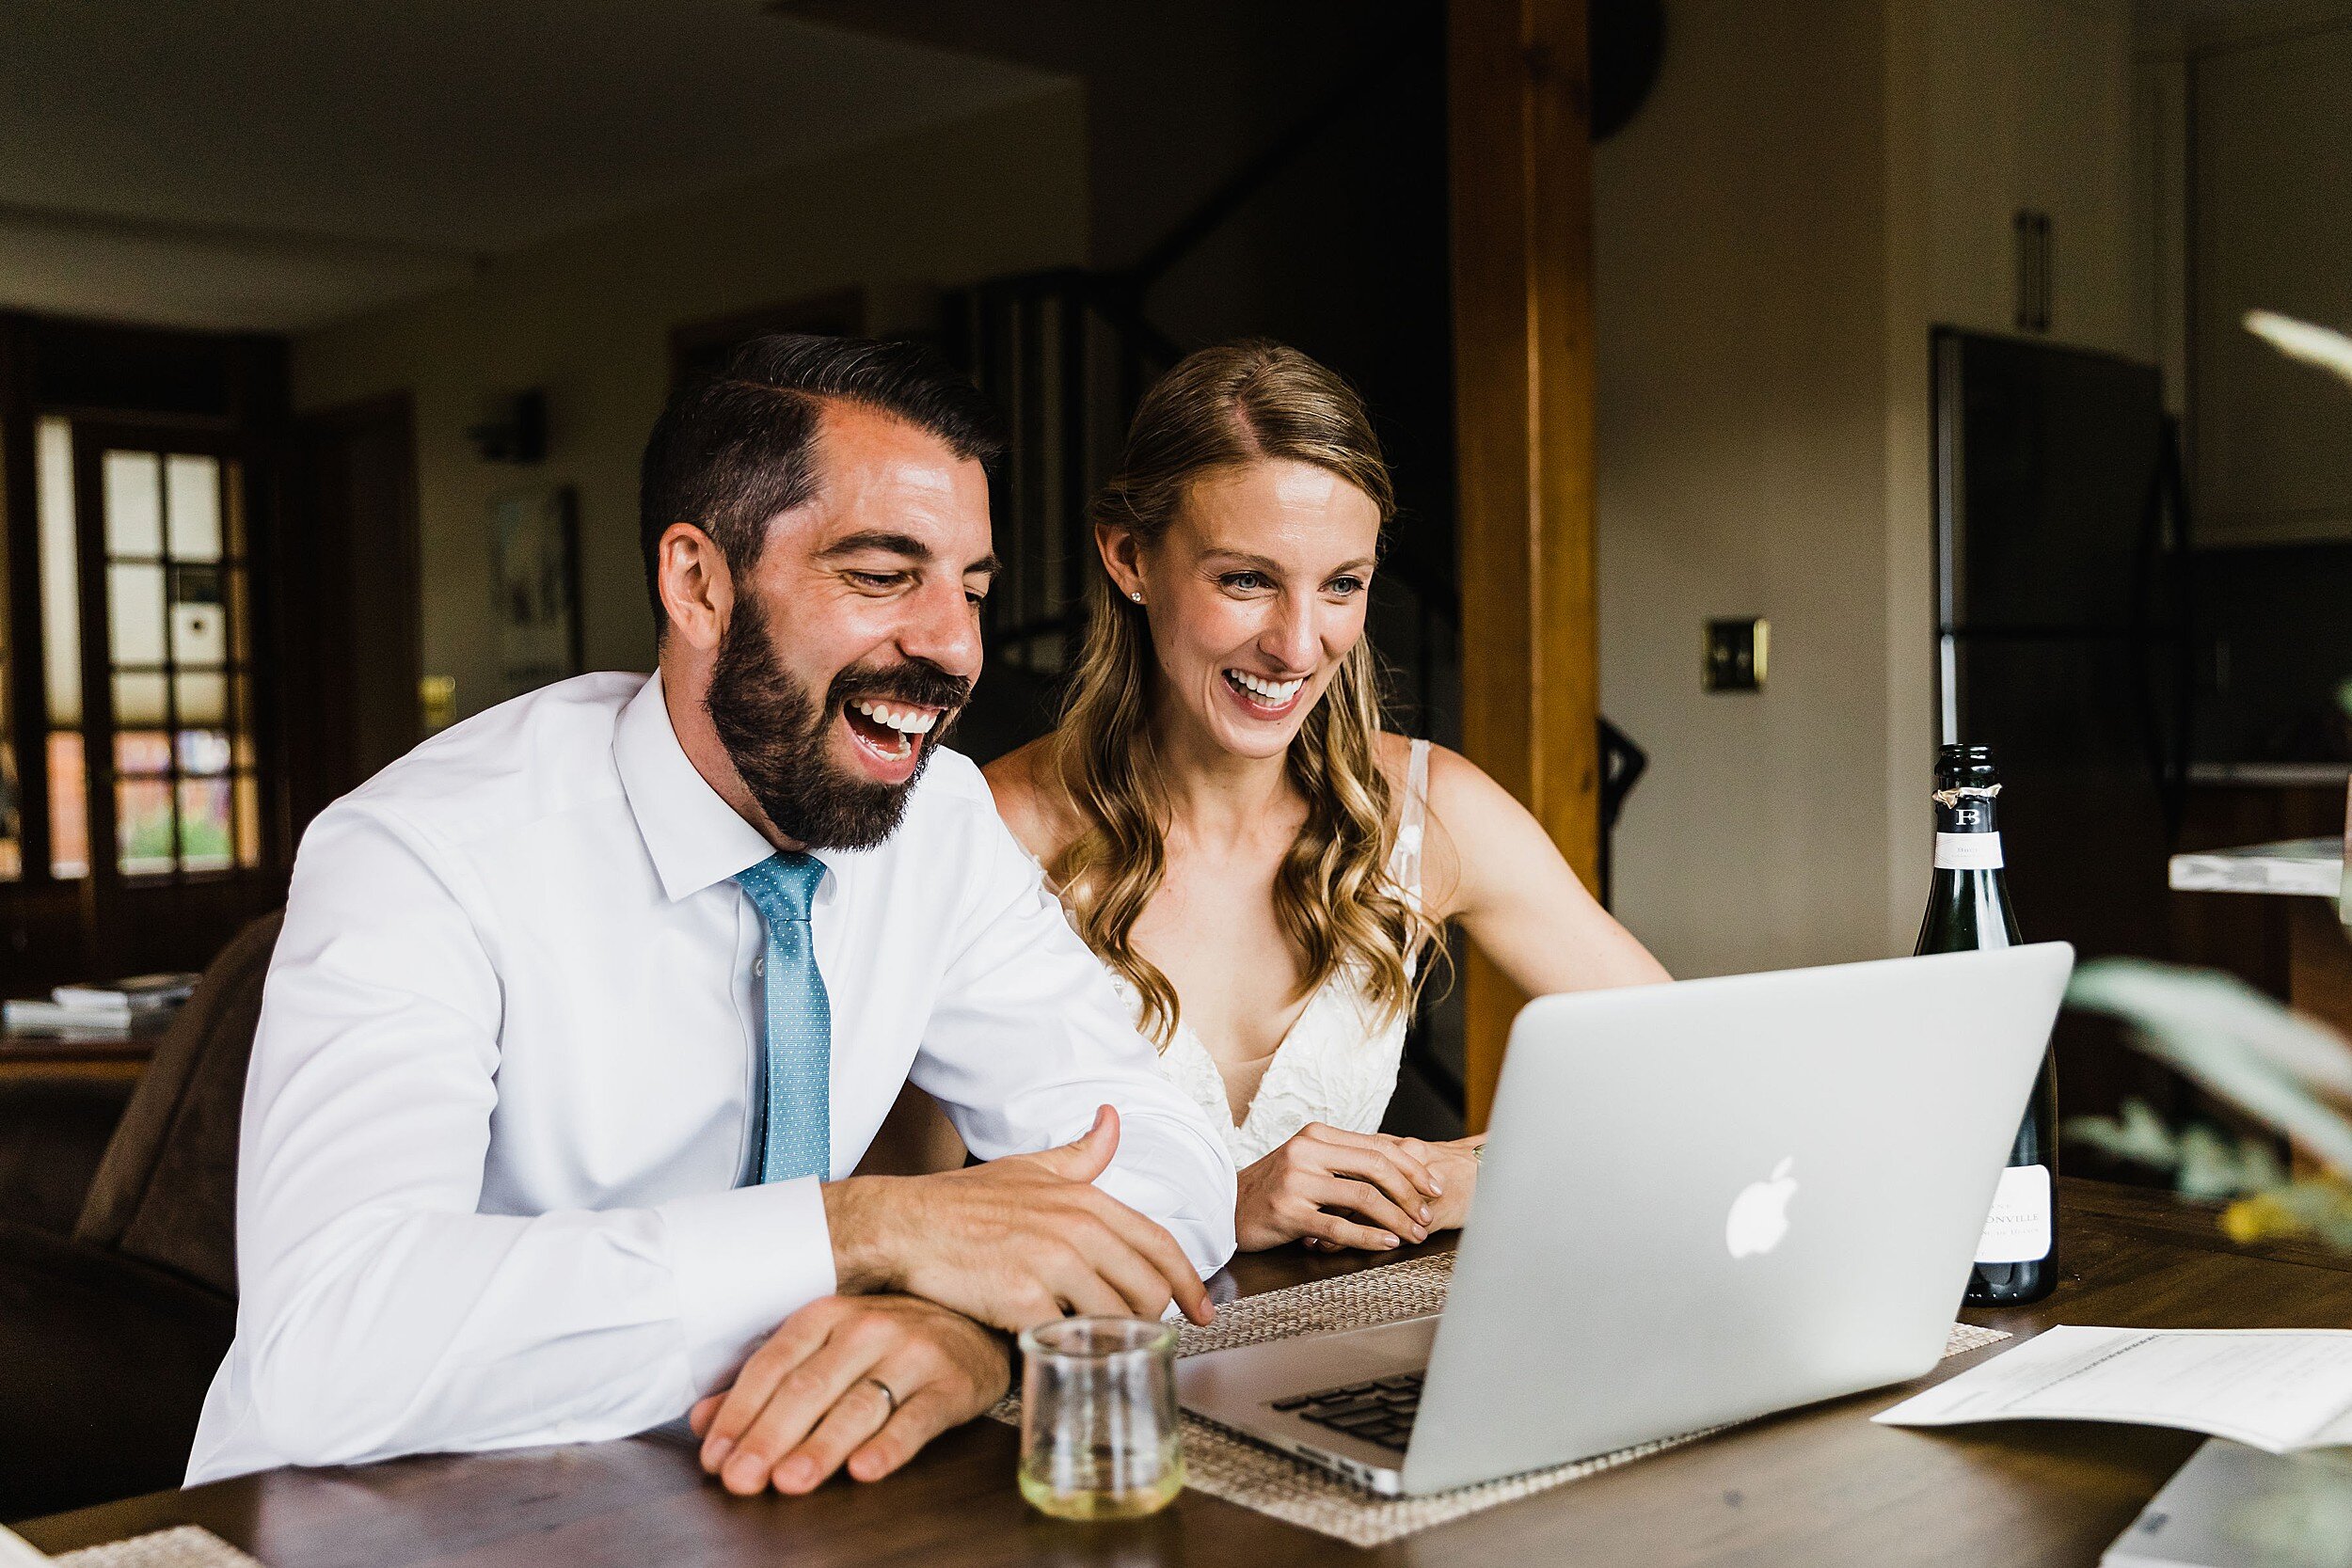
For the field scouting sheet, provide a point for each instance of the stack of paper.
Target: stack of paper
(2275, 1389)
(120, 1009)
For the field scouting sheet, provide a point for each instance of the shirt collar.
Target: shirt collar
(695, 838)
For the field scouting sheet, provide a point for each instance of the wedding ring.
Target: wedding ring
(886, 1394)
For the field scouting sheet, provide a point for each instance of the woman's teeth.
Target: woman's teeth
(906, 720)
(1272, 693)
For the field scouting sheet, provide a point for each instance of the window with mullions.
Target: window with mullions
(179, 663)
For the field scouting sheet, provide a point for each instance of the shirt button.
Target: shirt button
(760, 965)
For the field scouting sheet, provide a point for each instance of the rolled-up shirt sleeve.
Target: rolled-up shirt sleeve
(1028, 1039)
(380, 1312)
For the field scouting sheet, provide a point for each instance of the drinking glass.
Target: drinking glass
(1098, 1418)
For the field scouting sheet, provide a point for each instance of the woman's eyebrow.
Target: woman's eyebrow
(1262, 564)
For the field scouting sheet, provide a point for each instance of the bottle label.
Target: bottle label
(2018, 1230)
(1978, 851)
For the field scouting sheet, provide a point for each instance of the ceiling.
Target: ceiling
(278, 163)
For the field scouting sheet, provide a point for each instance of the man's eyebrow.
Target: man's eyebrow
(880, 540)
(988, 564)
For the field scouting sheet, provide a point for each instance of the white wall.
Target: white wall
(2272, 170)
(1742, 449)
(1811, 186)
(587, 317)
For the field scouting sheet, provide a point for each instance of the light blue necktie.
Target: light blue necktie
(793, 1120)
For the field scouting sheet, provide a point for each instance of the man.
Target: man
(585, 1008)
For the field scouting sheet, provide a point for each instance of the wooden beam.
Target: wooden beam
(1522, 199)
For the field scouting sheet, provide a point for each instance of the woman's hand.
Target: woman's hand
(1364, 1190)
(1456, 1165)
(1453, 1167)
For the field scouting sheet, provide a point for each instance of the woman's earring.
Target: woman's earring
(1138, 597)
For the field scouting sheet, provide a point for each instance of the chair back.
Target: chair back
(165, 1191)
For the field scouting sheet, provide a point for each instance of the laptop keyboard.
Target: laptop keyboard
(1380, 1410)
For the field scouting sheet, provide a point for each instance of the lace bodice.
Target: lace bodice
(1338, 1065)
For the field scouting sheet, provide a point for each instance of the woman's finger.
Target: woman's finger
(1393, 1179)
(1391, 1154)
(1368, 1203)
(1338, 1230)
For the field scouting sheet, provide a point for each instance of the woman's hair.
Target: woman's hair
(1224, 406)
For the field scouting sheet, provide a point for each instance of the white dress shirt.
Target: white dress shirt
(496, 1127)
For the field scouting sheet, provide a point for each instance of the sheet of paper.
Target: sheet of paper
(2273, 1389)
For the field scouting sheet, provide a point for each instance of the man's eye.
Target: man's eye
(878, 580)
(975, 596)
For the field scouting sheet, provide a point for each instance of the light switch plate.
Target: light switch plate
(1734, 655)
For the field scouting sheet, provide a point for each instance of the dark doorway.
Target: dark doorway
(352, 598)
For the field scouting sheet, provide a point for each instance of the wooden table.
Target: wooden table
(1817, 1486)
(36, 1056)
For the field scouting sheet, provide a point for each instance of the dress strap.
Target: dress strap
(1411, 822)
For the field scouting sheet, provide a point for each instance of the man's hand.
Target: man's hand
(1013, 1242)
(1339, 1189)
(812, 1395)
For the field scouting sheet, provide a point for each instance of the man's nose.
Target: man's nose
(943, 626)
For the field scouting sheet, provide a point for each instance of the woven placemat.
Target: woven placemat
(186, 1547)
(1224, 1465)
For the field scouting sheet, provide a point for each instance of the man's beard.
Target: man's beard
(775, 735)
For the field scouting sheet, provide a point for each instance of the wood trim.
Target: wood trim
(1522, 220)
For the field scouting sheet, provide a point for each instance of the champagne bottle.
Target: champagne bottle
(1968, 907)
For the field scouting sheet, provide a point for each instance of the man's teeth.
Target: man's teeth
(906, 720)
(1273, 693)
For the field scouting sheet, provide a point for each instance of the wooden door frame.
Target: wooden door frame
(1521, 152)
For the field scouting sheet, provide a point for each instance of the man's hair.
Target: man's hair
(732, 452)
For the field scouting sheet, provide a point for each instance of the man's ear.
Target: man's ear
(697, 588)
(1122, 556)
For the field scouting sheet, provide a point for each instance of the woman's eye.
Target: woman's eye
(1245, 582)
(1346, 585)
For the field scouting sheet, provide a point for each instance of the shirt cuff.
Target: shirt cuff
(743, 1261)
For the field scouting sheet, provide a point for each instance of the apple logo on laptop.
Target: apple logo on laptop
(1759, 1215)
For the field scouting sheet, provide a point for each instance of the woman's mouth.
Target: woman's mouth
(1263, 697)
(889, 735)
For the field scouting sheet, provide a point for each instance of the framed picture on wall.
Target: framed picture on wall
(535, 582)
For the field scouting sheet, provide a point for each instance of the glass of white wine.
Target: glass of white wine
(1099, 1439)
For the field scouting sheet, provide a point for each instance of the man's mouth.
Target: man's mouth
(1262, 696)
(891, 732)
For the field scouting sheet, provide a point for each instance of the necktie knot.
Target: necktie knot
(781, 886)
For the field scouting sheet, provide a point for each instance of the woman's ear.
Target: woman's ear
(1122, 556)
(697, 588)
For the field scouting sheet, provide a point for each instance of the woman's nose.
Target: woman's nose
(1290, 639)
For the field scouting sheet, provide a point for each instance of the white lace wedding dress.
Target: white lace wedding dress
(1338, 1064)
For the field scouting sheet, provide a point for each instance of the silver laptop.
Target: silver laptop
(1701, 1202)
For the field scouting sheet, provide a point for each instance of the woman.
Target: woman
(1261, 866)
